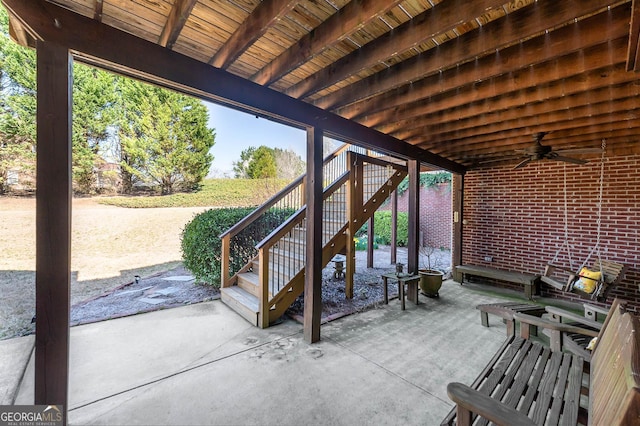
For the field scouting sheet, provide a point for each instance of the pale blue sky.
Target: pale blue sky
(236, 131)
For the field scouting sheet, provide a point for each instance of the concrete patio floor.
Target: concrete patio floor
(204, 365)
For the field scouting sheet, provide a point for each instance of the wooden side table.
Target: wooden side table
(410, 280)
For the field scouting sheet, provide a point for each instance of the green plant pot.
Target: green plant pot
(430, 282)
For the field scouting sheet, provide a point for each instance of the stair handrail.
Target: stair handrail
(251, 217)
(288, 224)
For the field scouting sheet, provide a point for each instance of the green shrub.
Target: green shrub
(201, 244)
(382, 228)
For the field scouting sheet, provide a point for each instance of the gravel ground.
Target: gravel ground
(177, 288)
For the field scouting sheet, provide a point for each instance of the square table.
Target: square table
(412, 286)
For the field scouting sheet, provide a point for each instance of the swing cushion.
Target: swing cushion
(587, 280)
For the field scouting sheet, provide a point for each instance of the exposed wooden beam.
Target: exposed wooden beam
(97, 10)
(116, 50)
(175, 22)
(256, 24)
(527, 22)
(633, 62)
(540, 112)
(587, 136)
(53, 225)
(433, 22)
(602, 118)
(313, 267)
(351, 18)
(499, 95)
(18, 33)
(510, 70)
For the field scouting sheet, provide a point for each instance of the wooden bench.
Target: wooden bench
(526, 383)
(506, 311)
(529, 281)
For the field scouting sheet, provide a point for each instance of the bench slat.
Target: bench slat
(559, 391)
(545, 388)
(572, 397)
(536, 377)
(508, 378)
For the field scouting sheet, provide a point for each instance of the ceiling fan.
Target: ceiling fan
(537, 151)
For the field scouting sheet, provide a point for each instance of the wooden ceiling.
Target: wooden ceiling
(470, 81)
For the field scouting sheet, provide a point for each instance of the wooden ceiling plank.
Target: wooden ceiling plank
(501, 100)
(175, 22)
(585, 139)
(524, 106)
(454, 53)
(567, 108)
(433, 22)
(121, 52)
(351, 18)
(254, 27)
(603, 117)
(506, 75)
(634, 37)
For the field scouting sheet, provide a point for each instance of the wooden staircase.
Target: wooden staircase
(273, 275)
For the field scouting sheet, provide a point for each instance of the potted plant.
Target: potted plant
(430, 277)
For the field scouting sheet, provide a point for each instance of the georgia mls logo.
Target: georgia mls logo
(31, 415)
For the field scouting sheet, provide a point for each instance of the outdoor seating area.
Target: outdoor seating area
(172, 364)
(528, 384)
(180, 359)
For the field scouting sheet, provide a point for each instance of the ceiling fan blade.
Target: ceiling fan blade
(568, 159)
(580, 151)
(522, 163)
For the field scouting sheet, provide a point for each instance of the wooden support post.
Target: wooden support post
(53, 225)
(263, 290)
(394, 227)
(413, 244)
(352, 215)
(313, 272)
(457, 194)
(225, 253)
(370, 238)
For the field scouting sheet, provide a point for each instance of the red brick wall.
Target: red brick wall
(516, 217)
(435, 214)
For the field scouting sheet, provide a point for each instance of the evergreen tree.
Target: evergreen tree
(164, 140)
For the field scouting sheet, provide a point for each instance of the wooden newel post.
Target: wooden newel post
(225, 252)
(263, 279)
(53, 225)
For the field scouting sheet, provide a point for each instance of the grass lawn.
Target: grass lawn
(109, 244)
(214, 193)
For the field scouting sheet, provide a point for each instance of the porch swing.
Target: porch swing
(593, 282)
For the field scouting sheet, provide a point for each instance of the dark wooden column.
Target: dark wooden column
(394, 227)
(457, 198)
(53, 225)
(413, 214)
(313, 273)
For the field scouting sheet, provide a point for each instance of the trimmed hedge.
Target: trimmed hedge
(201, 244)
(382, 228)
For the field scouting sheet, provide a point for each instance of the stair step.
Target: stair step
(250, 282)
(244, 303)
